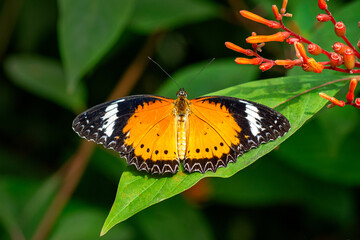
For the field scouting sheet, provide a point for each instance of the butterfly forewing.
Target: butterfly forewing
(130, 126)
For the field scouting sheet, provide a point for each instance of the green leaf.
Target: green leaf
(44, 77)
(38, 203)
(87, 221)
(332, 153)
(8, 213)
(137, 191)
(36, 20)
(87, 30)
(15, 196)
(168, 216)
(209, 80)
(261, 184)
(270, 181)
(153, 15)
(107, 162)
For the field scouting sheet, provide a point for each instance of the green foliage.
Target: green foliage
(54, 64)
(87, 30)
(168, 216)
(44, 77)
(151, 15)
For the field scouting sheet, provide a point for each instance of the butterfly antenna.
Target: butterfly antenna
(200, 72)
(164, 71)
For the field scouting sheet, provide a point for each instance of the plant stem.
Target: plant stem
(8, 18)
(343, 37)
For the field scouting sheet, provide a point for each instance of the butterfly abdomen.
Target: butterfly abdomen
(181, 136)
(181, 114)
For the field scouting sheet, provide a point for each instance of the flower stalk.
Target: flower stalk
(343, 58)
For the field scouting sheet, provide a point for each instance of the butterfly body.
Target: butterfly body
(181, 113)
(155, 133)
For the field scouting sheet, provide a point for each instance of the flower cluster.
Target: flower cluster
(342, 58)
(349, 97)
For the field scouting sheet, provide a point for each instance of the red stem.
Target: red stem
(352, 71)
(302, 39)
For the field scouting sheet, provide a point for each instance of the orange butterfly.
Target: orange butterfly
(154, 133)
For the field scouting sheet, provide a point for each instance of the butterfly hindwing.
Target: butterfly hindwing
(130, 126)
(232, 126)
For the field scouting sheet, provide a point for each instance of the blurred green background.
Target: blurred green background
(60, 57)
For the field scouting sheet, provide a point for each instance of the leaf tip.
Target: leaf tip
(103, 231)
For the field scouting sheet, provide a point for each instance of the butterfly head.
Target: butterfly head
(181, 93)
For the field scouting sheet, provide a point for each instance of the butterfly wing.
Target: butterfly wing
(223, 128)
(141, 128)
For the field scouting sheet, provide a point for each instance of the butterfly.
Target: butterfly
(155, 133)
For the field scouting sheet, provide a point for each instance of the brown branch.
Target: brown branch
(8, 18)
(77, 163)
(71, 179)
(134, 71)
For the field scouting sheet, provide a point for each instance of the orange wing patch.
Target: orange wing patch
(151, 132)
(212, 137)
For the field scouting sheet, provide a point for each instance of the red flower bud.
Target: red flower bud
(266, 66)
(253, 61)
(323, 17)
(332, 100)
(277, 37)
(235, 47)
(307, 68)
(340, 29)
(276, 12)
(283, 7)
(357, 102)
(292, 40)
(339, 47)
(300, 52)
(284, 62)
(350, 95)
(316, 67)
(314, 49)
(358, 44)
(287, 62)
(322, 4)
(335, 60)
(349, 59)
(257, 18)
